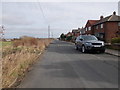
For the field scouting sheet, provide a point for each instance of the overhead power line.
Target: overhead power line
(39, 4)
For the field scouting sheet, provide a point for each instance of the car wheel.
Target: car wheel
(103, 51)
(83, 49)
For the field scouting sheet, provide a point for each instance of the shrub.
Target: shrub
(26, 41)
(18, 57)
(62, 36)
(115, 40)
(69, 38)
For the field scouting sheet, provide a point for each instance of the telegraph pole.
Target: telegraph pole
(48, 31)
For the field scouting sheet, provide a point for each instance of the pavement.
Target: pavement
(113, 52)
(61, 66)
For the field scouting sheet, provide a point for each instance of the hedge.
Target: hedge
(115, 40)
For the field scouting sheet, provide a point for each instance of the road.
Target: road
(61, 66)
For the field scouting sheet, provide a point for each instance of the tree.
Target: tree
(69, 38)
(62, 36)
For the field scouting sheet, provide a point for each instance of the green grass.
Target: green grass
(18, 56)
(5, 43)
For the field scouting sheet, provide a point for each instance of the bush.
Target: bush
(115, 40)
(69, 38)
(26, 41)
(18, 57)
(62, 36)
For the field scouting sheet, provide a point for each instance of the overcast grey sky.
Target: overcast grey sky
(26, 18)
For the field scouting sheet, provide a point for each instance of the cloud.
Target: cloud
(19, 14)
(60, 0)
(15, 20)
(27, 17)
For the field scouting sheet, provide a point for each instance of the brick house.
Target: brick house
(89, 27)
(104, 29)
(107, 28)
(75, 33)
(69, 34)
(82, 31)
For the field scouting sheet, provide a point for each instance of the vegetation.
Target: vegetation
(66, 38)
(18, 56)
(62, 36)
(3, 44)
(115, 44)
(69, 38)
(115, 40)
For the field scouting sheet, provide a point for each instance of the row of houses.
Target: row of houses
(104, 29)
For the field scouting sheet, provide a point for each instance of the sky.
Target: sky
(33, 18)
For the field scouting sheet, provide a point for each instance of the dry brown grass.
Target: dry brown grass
(18, 58)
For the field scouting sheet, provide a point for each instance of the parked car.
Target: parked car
(89, 43)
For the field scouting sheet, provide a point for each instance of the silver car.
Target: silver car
(89, 43)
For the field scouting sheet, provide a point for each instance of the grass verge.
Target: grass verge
(18, 57)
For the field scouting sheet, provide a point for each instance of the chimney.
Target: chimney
(114, 13)
(101, 17)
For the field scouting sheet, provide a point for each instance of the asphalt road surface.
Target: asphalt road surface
(62, 66)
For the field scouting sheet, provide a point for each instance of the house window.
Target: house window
(86, 29)
(119, 24)
(89, 28)
(96, 27)
(101, 26)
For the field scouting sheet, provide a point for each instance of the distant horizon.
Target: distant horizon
(23, 36)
